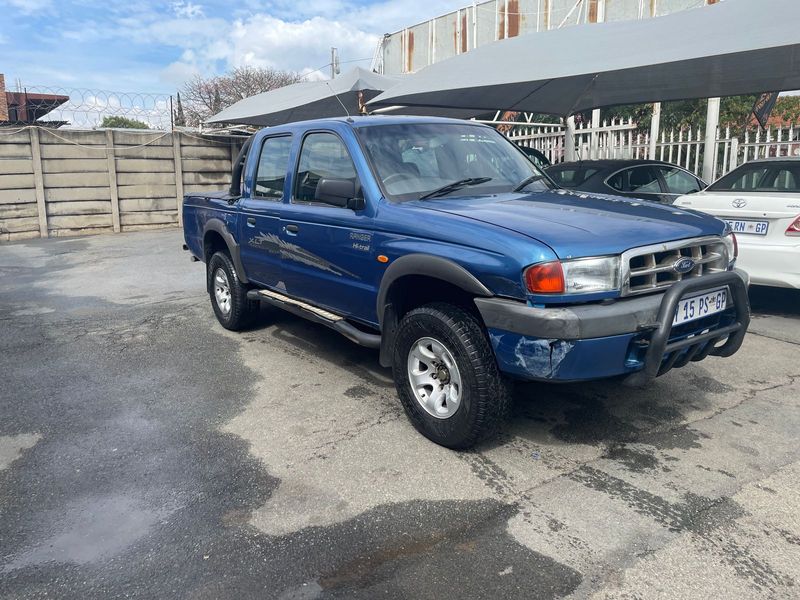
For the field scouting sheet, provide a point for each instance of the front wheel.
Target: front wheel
(446, 376)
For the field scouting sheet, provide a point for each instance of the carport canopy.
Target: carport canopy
(307, 100)
(730, 48)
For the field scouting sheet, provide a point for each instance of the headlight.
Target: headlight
(732, 246)
(580, 276)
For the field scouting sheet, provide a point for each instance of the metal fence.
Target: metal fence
(684, 147)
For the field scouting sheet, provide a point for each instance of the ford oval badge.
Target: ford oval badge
(683, 265)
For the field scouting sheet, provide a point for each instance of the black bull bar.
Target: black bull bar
(700, 345)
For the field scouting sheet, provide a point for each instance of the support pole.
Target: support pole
(594, 151)
(734, 159)
(38, 181)
(569, 140)
(113, 188)
(710, 144)
(177, 158)
(655, 130)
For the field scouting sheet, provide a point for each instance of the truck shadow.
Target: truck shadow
(603, 413)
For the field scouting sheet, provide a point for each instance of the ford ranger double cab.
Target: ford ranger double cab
(439, 243)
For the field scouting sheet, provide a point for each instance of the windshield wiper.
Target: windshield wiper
(526, 182)
(452, 187)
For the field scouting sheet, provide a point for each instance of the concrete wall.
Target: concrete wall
(424, 43)
(68, 182)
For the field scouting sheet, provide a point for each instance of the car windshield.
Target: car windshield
(761, 177)
(414, 159)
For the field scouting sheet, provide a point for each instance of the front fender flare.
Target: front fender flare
(219, 226)
(431, 266)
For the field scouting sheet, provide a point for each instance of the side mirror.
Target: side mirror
(338, 192)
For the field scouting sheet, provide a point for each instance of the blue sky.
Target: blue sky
(154, 46)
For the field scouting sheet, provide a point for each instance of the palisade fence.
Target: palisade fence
(68, 182)
(623, 139)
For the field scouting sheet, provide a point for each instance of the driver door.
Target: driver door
(327, 250)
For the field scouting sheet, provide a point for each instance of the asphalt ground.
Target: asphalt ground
(146, 452)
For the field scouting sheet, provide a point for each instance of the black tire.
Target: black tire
(242, 312)
(485, 393)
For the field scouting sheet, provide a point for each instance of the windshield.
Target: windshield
(412, 160)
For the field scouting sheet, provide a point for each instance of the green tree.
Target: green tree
(123, 123)
(788, 109)
(178, 118)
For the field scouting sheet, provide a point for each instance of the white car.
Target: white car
(760, 200)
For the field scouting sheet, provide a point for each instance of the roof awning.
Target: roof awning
(731, 48)
(307, 100)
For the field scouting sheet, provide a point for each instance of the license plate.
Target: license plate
(754, 227)
(702, 305)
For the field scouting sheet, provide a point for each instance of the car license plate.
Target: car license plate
(702, 305)
(754, 227)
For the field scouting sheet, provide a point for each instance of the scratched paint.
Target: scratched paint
(531, 357)
(541, 356)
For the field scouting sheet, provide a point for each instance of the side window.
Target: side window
(786, 180)
(643, 180)
(679, 181)
(272, 165)
(619, 181)
(565, 177)
(323, 155)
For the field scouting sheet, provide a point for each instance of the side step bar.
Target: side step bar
(318, 315)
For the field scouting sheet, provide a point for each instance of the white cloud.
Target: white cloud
(165, 42)
(297, 36)
(187, 10)
(268, 41)
(26, 7)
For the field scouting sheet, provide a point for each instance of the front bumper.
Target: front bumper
(632, 336)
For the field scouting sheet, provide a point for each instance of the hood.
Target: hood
(581, 224)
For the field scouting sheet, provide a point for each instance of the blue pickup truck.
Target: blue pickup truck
(438, 242)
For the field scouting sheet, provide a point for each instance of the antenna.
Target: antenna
(328, 83)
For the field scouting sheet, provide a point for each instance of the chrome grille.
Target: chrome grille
(651, 268)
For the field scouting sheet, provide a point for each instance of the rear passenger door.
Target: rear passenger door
(259, 221)
(327, 249)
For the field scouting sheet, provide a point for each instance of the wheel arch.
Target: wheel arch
(431, 278)
(214, 231)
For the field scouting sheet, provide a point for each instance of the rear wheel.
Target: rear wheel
(446, 376)
(229, 295)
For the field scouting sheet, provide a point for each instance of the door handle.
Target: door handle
(251, 222)
(291, 229)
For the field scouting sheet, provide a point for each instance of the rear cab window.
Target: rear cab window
(273, 161)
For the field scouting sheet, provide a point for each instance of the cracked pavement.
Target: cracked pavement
(146, 452)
